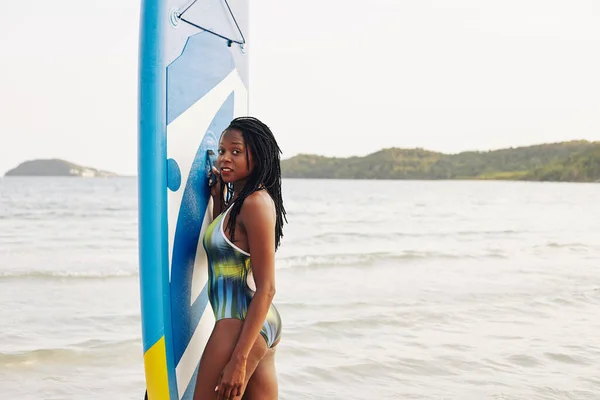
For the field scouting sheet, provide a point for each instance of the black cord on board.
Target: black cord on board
(229, 40)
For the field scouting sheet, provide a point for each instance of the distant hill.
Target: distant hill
(56, 167)
(574, 161)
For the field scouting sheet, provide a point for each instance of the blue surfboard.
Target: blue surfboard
(193, 80)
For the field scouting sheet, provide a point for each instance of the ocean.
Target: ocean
(387, 289)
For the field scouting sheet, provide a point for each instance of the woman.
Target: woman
(241, 243)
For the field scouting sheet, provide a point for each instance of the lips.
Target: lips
(226, 170)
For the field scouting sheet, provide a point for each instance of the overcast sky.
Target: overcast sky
(335, 78)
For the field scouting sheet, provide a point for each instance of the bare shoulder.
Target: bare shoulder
(258, 207)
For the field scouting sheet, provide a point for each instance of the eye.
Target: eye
(221, 151)
(236, 152)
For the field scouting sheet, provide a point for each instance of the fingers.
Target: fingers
(218, 388)
(214, 171)
(228, 395)
(228, 391)
(214, 176)
(222, 388)
(224, 392)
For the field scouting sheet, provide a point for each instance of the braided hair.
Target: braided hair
(266, 173)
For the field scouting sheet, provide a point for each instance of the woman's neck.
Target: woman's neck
(238, 186)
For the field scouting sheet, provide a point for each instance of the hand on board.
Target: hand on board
(215, 182)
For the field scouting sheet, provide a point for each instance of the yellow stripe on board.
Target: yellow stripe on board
(155, 363)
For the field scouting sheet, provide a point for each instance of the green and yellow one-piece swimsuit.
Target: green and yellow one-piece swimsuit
(230, 280)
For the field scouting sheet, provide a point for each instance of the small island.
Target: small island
(573, 161)
(56, 167)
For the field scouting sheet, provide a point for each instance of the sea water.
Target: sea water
(387, 290)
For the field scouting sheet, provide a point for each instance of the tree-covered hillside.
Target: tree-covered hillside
(566, 161)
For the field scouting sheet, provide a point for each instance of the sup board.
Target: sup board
(193, 80)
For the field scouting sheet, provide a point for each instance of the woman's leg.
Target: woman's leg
(263, 382)
(217, 354)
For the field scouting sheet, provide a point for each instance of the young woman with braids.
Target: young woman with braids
(240, 243)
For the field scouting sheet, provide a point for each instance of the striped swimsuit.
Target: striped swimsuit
(230, 280)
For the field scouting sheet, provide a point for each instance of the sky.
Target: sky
(330, 77)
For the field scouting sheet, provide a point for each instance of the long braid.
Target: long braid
(266, 173)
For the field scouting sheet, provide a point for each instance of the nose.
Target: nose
(223, 158)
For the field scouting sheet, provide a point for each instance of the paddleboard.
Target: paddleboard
(193, 80)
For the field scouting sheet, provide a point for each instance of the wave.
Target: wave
(572, 246)
(356, 325)
(340, 236)
(64, 355)
(38, 355)
(488, 232)
(60, 275)
(366, 259)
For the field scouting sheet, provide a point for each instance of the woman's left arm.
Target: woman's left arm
(258, 220)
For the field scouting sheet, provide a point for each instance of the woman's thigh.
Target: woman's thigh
(263, 382)
(217, 354)
(215, 357)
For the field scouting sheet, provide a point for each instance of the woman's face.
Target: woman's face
(232, 160)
